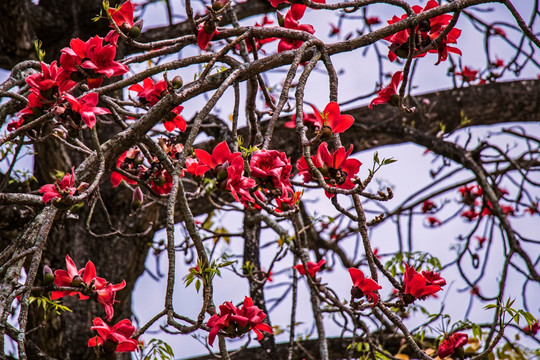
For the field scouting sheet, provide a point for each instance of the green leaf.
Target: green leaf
(197, 285)
(376, 158)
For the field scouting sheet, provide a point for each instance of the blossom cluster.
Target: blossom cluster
(415, 285)
(236, 321)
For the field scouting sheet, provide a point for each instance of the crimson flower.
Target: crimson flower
(251, 317)
(85, 278)
(161, 182)
(468, 74)
(126, 161)
(287, 202)
(150, 93)
(533, 208)
(272, 167)
(331, 118)
(427, 206)
(51, 80)
(59, 189)
(220, 155)
(297, 10)
(451, 343)
(417, 286)
(259, 42)
(433, 278)
(177, 121)
(123, 16)
(470, 214)
(113, 339)
(334, 30)
(433, 221)
(337, 169)
(372, 20)
(363, 286)
(427, 31)
(388, 94)
(291, 23)
(238, 184)
(86, 107)
(73, 277)
(206, 33)
(481, 240)
(91, 60)
(237, 321)
(312, 268)
(308, 118)
(33, 110)
(106, 294)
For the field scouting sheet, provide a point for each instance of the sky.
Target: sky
(358, 75)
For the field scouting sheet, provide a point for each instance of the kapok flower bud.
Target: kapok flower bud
(326, 133)
(137, 199)
(177, 82)
(217, 5)
(280, 18)
(135, 30)
(77, 281)
(48, 275)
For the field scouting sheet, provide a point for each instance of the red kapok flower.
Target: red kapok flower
(251, 317)
(372, 20)
(433, 278)
(312, 268)
(427, 31)
(51, 77)
(470, 214)
(161, 182)
(206, 33)
(417, 286)
(451, 343)
(238, 321)
(237, 183)
(113, 339)
(221, 320)
(94, 59)
(433, 221)
(106, 294)
(308, 118)
(337, 169)
(126, 161)
(123, 16)
(221, 154)
(33, 110)
(297, 10)
(89, 283)
(72, 277)
(177, 121)
(59, 189)
(363, 286)
(427, 206)
(273, 166)
(388, 94)
(331, 118)
(468, 74)
(150, 92)
(86, 107)
(291, 23)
